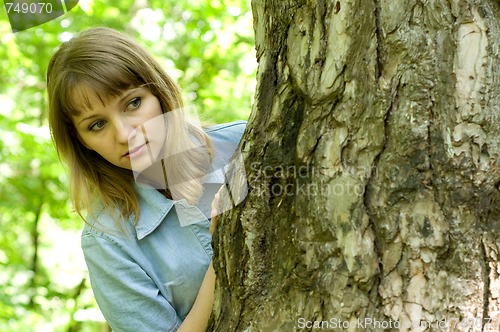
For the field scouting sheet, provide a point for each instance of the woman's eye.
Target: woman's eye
(96, 126)
(133, 104)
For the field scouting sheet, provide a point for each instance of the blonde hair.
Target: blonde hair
(107, 62)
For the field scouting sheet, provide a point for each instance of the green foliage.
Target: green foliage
(206, 45)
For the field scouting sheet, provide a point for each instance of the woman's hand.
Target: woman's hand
(213, 213)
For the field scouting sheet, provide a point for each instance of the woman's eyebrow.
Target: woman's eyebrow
(87, 118)
(126, 95)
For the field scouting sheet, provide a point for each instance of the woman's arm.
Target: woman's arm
(197, 319)
(128, 298)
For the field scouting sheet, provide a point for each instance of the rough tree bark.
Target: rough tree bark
(372, 161)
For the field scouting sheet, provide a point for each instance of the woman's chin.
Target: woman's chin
(149, 173)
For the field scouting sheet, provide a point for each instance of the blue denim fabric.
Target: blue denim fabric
(147, 277)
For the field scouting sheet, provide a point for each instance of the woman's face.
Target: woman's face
(119, 129)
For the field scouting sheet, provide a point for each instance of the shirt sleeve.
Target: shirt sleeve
(127, 296)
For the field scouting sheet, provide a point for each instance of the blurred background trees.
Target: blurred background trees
(206, 45)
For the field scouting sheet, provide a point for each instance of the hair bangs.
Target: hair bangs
(104, 79)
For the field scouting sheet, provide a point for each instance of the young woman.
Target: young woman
(145, 177)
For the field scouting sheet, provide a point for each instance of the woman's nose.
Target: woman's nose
(123, 131)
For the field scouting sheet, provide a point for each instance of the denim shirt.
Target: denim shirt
(146, 277)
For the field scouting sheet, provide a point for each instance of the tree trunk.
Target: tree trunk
(372, 162)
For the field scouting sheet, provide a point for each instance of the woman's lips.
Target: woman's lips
(135, 152)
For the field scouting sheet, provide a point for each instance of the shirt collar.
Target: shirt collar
(153, 209)
(154, 206)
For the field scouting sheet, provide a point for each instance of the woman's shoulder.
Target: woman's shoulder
(234, 125)
(100, 223)
(231, 131)
(225, 140)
